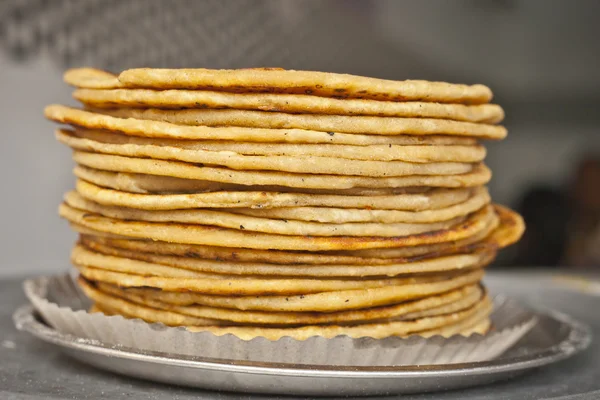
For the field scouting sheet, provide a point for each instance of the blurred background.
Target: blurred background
(540, 57)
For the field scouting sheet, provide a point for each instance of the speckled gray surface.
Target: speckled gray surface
(30, 369)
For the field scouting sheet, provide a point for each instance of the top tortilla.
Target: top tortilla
(274, 80)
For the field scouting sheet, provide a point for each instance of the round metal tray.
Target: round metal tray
(555, 337)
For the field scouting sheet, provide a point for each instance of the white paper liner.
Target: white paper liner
(64, 306)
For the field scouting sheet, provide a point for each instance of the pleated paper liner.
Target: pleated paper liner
(62, 305)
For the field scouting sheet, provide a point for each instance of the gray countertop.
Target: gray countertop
(30, 369)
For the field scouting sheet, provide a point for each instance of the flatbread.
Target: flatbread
(504, 231)
(94, 309)
(178, 169)
(339, 215)
(512, 227)
(214, 236)
(91, 78)
(288, 103)
(312, 122)
(331, 215)
(494, 236)
(430, 200)
(445, 324)
(130, 272)
(257, 224)
(142, 183)
(427, 153)
(501, 233)
(467, 327)
(105, 301)
(154, 184)
(481, 241)
(100, 235)
(159, 129)
(332, 301)
(445, 303)
(452, 322)
(276, 80)
(302, 164)
(478, 312)
(429, 265)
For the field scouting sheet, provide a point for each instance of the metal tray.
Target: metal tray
(555, 337)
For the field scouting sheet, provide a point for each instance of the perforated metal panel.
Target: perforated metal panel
(117, 34)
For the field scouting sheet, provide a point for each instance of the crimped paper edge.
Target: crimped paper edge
(62, 305)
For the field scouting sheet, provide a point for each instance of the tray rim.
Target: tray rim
(577, 340)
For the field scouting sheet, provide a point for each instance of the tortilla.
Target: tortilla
(477, 313)
(308, 164)
(100, 235)
(327, 214)
(142, 183)
(494, 236)
(276, 80)
(330, 215)
(312, 122)
(94, 309)
(290, 215)
(129, 272)
(179, 169)
(154, 184)
(469, 326)
(445, 303)
(433, 199)
(427, 153)
(159, 129)
(512, 227)
(104, 301)
(449, 324)
(322, 302)
(418, 266)
(288, 103)
(249, 223)
(504, 231)
(214, 236)
(481, 241)
(91, 78)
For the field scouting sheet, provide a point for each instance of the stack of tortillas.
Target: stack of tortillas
(265, 202)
